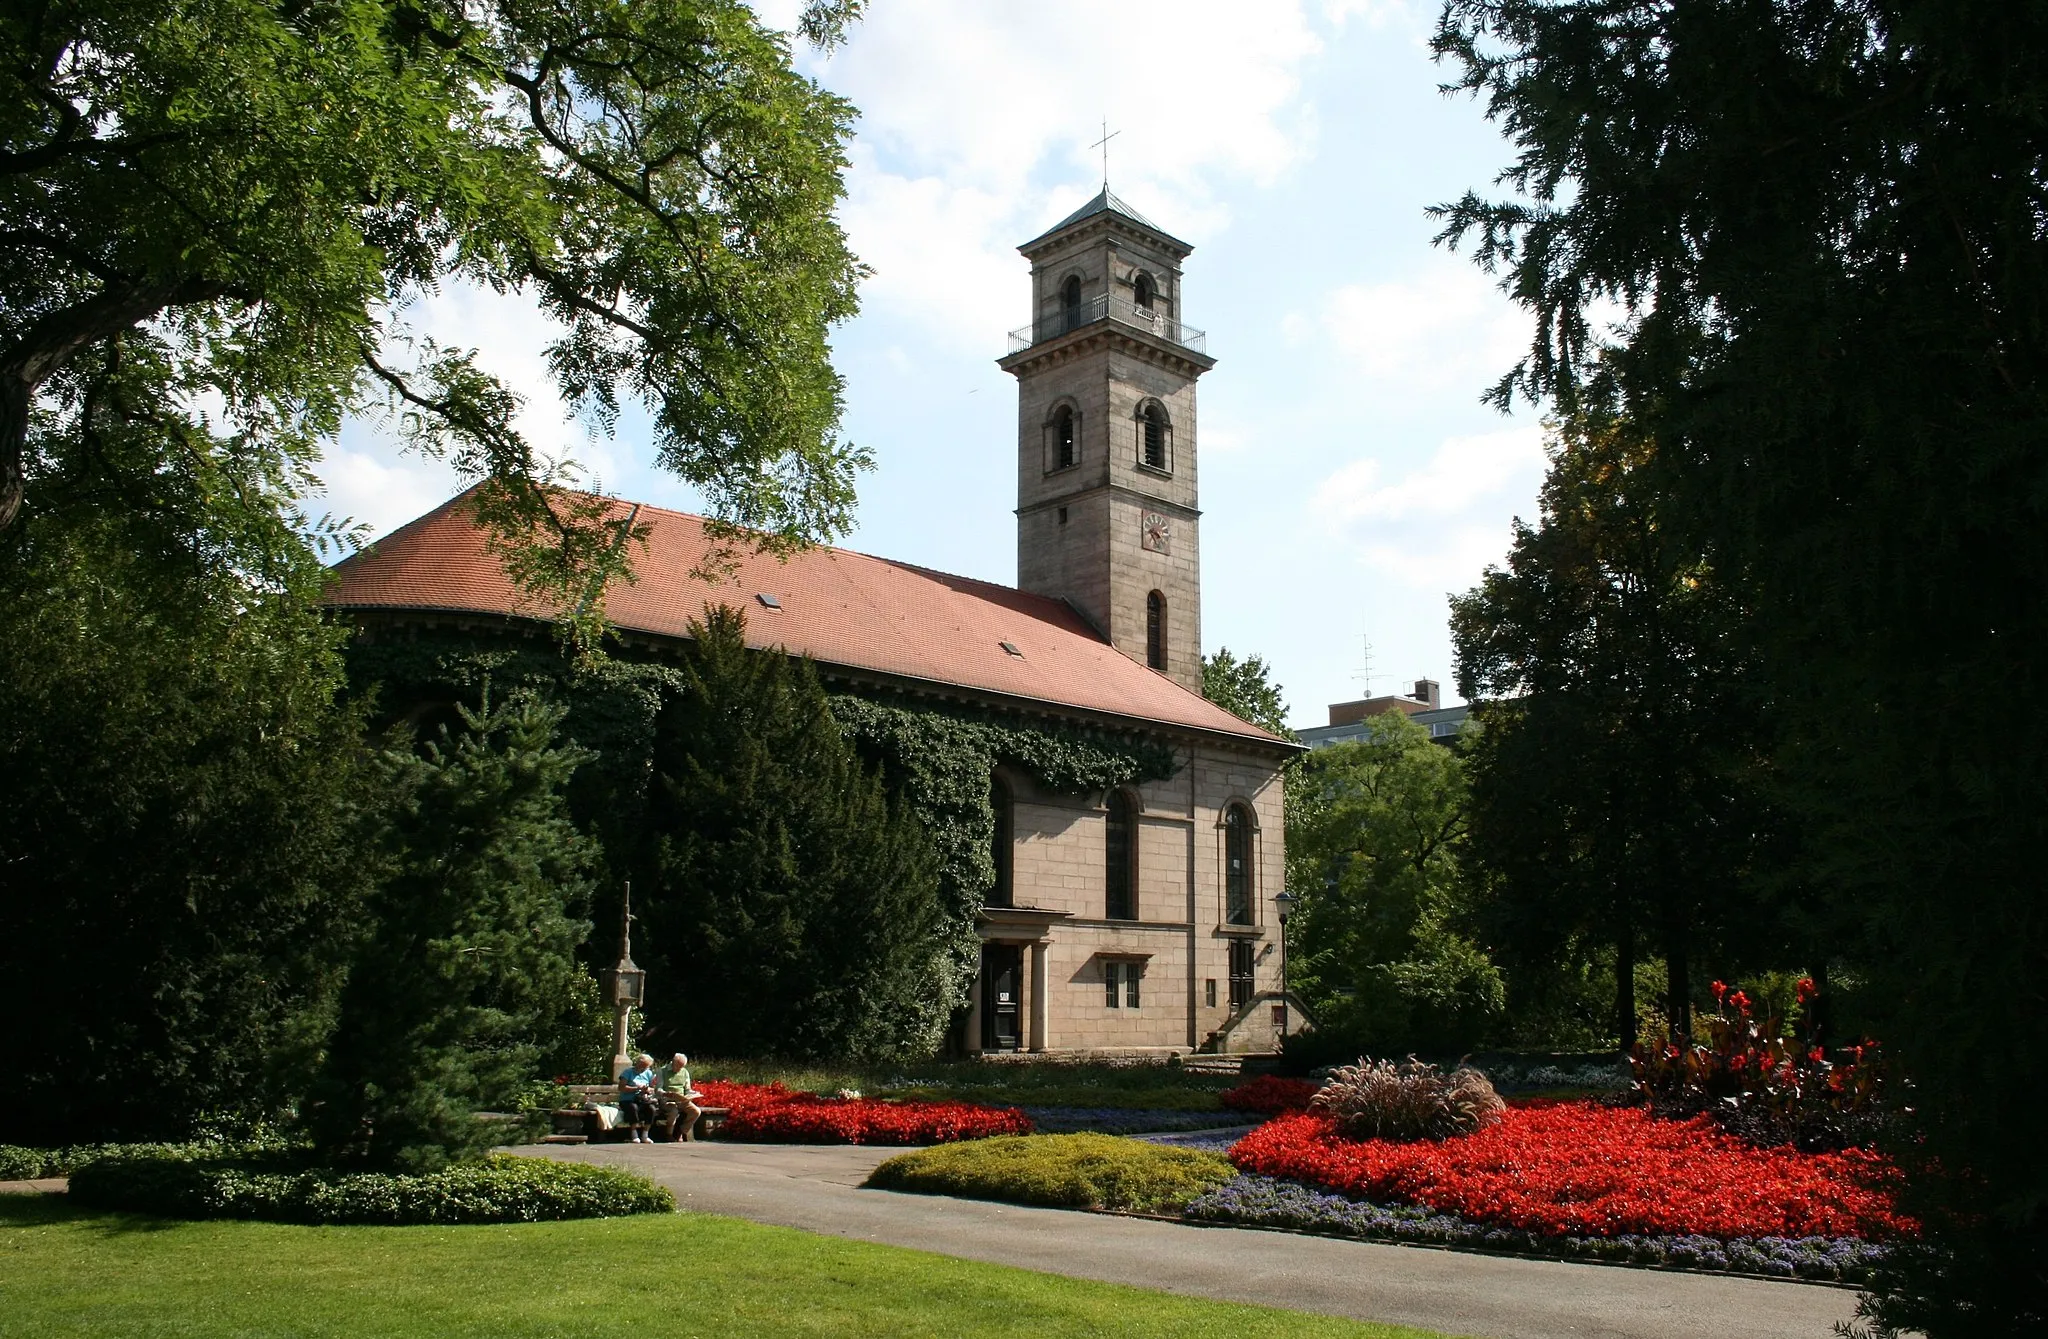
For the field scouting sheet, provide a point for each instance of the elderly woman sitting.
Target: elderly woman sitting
(638, 1084)
(678, 1099)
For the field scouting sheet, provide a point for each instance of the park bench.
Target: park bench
(583, 1124)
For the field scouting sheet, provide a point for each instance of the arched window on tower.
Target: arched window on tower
(1154, 430)
(1004, 893)
(1237, 865)
(1066, 446)
(1120, 858)
(1144, 291)
(1070, 303)
(1155, 631)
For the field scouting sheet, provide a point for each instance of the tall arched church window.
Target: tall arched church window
(1155, 631)
(1070, 303)
(1144, 291)
(1004, 894)
(1153, 430)
(1120, 859)
(1237, 865)
(1066, 447)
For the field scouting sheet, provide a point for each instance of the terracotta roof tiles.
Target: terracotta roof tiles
(839, 607)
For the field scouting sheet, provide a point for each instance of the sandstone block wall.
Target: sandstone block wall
(1180, 939)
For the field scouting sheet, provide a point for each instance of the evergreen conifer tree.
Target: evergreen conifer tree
(468, 952)
(792, 903)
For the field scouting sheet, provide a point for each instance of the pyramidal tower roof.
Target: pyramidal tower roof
(1106, 201)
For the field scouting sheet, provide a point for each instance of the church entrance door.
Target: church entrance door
(1002, 996)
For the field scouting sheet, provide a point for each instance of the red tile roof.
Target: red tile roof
(839, 607)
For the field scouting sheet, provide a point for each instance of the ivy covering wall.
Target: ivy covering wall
(939, 758)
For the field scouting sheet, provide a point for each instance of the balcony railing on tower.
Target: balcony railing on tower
(1149, 319)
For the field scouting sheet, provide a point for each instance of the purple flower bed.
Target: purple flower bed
(1207, 1141)
(1121, 1120)
(1260, 1201)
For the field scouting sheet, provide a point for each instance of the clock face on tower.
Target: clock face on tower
(1158, 533)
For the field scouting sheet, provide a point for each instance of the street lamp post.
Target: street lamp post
(1284, 903)
(626, 986)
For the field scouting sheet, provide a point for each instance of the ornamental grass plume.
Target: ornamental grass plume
(1378, 1099)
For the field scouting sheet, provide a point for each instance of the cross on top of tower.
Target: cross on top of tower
(1103, 144)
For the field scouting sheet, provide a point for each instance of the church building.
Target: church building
(1142, 918)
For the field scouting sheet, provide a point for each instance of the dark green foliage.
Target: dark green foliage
(1616, 797)
(423, 676)
(1246, 690)
(1827, 219)
(1069, 1171)
(789, 904)
(501, 1189)
(1380, 947)
(468, 951)
(19, 1162)
(936, 759)
(236, 201)
(940, 760)
(180, 790)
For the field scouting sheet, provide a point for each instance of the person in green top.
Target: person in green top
(679, 1107)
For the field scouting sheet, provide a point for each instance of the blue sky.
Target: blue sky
(1350, 478)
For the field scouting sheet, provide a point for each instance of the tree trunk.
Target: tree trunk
(1821, 1005)
(53, 341)
(1678, 977)
(14, 398)
(1625, 984)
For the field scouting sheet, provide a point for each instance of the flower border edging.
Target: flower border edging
(1454, 1234)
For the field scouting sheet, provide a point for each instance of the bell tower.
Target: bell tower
(1106, 502)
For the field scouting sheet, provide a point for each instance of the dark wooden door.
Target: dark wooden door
(1002, 996)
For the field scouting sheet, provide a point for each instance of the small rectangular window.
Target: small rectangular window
(1209, 992)
(1063, 515)
(768, 601)
(1133, 972)
(1109, 976)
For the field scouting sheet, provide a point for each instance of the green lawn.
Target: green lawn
(1043, 1083)
(65, 1272)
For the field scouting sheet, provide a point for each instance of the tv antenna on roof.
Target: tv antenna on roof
(1364, 673)
(1103, 144)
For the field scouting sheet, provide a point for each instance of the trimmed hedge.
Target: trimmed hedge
(500, 1189)
(20, 1162)
(1085, 1171)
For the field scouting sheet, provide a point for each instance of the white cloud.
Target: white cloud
(1447, 328)
(976, 122)
(1413, 14)
(382, 489)
(1440, 524)
(368, 474)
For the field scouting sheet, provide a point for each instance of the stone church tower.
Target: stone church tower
(1107, 517)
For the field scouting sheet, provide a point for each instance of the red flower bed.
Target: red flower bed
(1269, 1095)
(773, 1114)
(1592, 1170)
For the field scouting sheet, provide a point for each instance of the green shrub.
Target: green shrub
(501, 1189)
(1082, 1171)
(20, 1162)
(26, 1164)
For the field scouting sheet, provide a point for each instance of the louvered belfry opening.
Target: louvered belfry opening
(1155, 631)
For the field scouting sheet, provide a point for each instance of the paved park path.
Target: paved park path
(816, 1188)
